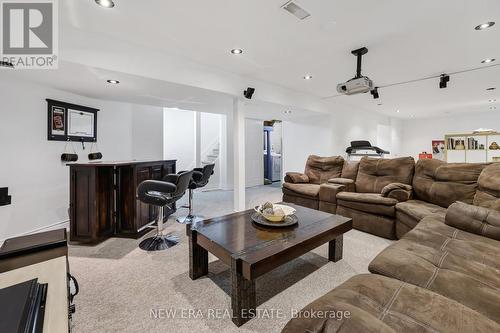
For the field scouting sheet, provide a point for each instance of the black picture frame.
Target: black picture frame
(57, 128)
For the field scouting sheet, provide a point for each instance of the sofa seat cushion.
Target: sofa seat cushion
(418, 209)
(409, 213)
(374, 303)
(304, 190)
(456, 264)
(368, 202)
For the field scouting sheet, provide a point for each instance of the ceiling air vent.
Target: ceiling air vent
(296, 10)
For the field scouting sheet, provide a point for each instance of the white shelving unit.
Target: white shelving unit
(472, 147)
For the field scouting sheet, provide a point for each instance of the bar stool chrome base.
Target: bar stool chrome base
(159, 242)
(189, 219)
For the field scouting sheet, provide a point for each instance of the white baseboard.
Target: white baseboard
(58, 225)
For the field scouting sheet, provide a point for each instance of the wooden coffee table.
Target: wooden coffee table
(251, 250)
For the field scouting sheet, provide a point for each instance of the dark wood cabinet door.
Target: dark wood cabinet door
(145, 213)
(82, 199)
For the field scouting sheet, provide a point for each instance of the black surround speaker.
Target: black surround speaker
(249, 92)
(95, 156)
(69, 157)
(5, 198)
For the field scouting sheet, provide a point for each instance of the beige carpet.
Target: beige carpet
(121, 286)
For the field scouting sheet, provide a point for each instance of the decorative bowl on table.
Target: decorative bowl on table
(274, 212)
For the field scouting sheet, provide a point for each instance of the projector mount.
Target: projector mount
(359, 54)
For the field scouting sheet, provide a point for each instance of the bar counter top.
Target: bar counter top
(115, 163)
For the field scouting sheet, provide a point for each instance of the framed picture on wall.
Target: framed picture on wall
(71, 122)
(438, 150)
(57, 119)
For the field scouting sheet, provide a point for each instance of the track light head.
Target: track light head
(443, 81)
(374, 93)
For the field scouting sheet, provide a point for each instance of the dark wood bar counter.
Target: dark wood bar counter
(103, 198)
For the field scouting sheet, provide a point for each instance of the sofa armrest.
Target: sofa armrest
(474, 219)
(399, 191)
(296, 177)
(328, 192)
(350, 185)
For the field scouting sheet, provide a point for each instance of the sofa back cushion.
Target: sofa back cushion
(375, 173)
(488, 192)
(350, 169)
(444, 183)
(320, 169)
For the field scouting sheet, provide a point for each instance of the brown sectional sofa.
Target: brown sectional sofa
(436, 185)
(310, 188)
(388, 197)
(441, 276)
(371, 211)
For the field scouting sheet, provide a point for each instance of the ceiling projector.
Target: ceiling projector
(358, 84)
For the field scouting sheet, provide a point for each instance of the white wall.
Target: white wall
(303, 137)
(147, 132)
(30, 164)
(418, 133)
(179, 137)
(350, 125)
(254, 156)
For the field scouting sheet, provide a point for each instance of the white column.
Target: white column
(239, 154)
(197, 140)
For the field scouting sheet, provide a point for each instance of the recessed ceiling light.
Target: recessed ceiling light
(105, 3)
(236, 51)
(485, 25)
(492, 100)
(397, 111)
(412, 116)
(486, 61)
(287, 111)
(113, 81)
(308, 77)
(491, 89)
(493, 107)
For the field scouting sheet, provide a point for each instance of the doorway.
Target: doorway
(273, 159)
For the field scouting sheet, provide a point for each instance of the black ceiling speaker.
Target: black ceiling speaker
(443, 81)
(249, 92)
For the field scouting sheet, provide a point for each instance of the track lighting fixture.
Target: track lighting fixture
(374, 93)
(443, 81)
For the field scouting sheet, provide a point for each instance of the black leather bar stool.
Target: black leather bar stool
(201, 176)
(162, 194)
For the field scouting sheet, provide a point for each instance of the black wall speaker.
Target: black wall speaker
(249, 92)
(69, 157)
(5, 198)
(95, 156)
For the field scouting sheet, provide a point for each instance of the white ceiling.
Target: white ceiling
(91, 82)
(406, 39)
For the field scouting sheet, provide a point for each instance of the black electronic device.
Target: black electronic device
(249, 92)
(23, 307)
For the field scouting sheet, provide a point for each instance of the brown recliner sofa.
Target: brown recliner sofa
(442, 276)
(380, 185)
(311, 188)
(436, 185)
